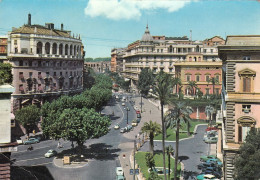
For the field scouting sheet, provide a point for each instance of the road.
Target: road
(102, 167)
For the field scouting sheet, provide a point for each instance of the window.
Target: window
(21, 88)
(54, 74)
(60, 73)
(30, 63)
(170, 70)
(197, 78)
(15, 42)
(21, 75)
(217, 78)
(161, 50)
(15, 50)
(246, 84)
(205, 50)
(246, 58)
(242, 133)
(187, 77)
(47, 63)
(207, 78)
(246, 108)
(20, 63)
(47, 74)
(39, 64)
(217, 91)
(207, 90)
(39, 75)
(158, 50)
(30, 74)
(211, 50)
(161, 62)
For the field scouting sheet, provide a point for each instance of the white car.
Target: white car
(50, 153)
(116, 126)
(119, 171)
(123, 104)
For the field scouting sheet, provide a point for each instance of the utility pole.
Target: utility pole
(127, 109)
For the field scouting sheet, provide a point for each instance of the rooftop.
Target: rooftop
(243, 40)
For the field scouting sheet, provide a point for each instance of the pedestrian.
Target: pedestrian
(58, 146)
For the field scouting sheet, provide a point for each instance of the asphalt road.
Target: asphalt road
(101, 167)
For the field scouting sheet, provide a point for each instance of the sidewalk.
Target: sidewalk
(128, 147)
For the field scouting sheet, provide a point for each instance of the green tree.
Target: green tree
(151, 128)
(153, 176)
(6, 73)
(28, 116)
(169, 152)
(176, 82)
(150, 161)
(145, 81)
(88, 78)
(192, 86)
(213, 81)
(246, 162)
(163, 87)
(76, 125)
(179, 114)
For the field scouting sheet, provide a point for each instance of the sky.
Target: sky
(107, 24)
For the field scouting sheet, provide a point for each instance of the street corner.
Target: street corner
(61, 163)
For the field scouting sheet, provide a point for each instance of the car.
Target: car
(205, 158)
(116, 126)
(138, 115)
(122, 130)
(216, 161)
(134, 123)
(203, 176)
(120, 177)
(31, 141)
(138, 111)
(119, 171)
(204, 165)
(129, 127)
(138, 120)
(123, 104)
(50, 153)
(211, 140)
(211, 128)
(19, 141)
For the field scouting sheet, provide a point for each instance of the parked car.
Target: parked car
(116, 126)
(120, 177)
(211, 128)
(211, 140)
(129, 127)
(138, 120)
(203, 176)
(123, 104)
(134, 123)
(31, 141)
(123, 130)
(138, 115)
(204, 165)
(217, 161)
(50, 153)
(205, 158)
(19, 141)
(119, 171)
(137, 111)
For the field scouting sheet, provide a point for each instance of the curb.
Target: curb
(68, 166)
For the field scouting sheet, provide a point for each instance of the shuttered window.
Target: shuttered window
(246, 84)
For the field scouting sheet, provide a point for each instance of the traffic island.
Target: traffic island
(70, 161)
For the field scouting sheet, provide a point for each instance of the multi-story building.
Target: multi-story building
(47, 62)
(241, 94)
(3, 48)
(99, 66)
(117, 59)
(162, 53)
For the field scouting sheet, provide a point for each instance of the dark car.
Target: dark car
(31, 141)
(138, 115)
(138, 120)
(205, 165)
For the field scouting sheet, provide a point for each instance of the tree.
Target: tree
(88, 78)
(214, 81)
(153, 176)
(209, 110)
(176, 83)
(149, 161)
(145, 81)
(28, 116)
(163, 86)
(169, 152)
(192, 85)
(246, 162)
(151, 128)
(6, 73)
(180, 113)
(76, 125)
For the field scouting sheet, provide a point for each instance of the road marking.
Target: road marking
(29, 159)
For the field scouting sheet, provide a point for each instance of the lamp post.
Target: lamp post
(134, 155)
(127, 109)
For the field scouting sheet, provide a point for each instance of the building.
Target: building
(98, 66)
(117, 59)
(6, 145)
(3, 48)
(47, 62)
(241, 95)
(162, 53)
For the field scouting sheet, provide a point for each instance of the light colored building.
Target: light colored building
(99, 66)
(47, 62)
(241, 95)
(161, 53)
(117, 59)
(3, 48)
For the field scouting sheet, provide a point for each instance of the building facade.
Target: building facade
(98, 67)
(117, 59)
(3, 48)
(164, 53)
(241, 94)
(47, 63)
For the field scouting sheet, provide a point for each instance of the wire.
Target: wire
(19, 166)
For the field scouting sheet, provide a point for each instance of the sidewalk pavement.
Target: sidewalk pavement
(150, 111)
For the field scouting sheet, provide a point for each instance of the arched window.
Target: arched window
(66, 49)
(47, 48)
(39, 48)
(54, 48)
(170, 48)
(71, 49)
(60, 49)
(197, 48)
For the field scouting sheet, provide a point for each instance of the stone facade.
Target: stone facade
(241, 94)
(47, 63)
(99, 67)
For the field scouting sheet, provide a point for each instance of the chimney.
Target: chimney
(29, 19)
(61, 26)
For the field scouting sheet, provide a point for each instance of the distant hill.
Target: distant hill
(89, 59)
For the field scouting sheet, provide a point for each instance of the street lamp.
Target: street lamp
(127, 109)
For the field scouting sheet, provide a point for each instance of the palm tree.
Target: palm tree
(176, 82)
(169, 152)
(179, 114)
(151, 128)
(213, 81)
(163, 85)
(209, 112)
(192, 85)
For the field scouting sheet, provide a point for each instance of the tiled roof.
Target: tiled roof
(38, 29)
